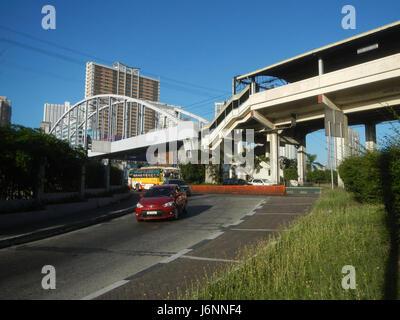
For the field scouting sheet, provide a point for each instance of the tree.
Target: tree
(192, 173)
(290, 174)
(25, 151)
(286, 163)
(310, 162)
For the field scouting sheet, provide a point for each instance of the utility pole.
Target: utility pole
(330, 152)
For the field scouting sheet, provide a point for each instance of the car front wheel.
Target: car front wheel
(176, 214)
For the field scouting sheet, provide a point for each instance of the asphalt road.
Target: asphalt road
(90, 259)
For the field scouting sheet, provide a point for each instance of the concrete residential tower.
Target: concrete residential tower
(126, 81)
(5, 111)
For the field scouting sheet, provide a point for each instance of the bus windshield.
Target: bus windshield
(145, 173)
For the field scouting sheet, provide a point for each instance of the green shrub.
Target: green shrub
(362, 176)
(290, 173)
(192, 173)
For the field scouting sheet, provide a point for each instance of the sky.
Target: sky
(194, 47)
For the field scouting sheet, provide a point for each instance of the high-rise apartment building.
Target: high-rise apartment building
(5, 111)
(288, 151)
(123, 80)
(52, 113)
(338, 148)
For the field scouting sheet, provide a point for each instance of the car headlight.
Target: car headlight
(139, 205)
(168, 204)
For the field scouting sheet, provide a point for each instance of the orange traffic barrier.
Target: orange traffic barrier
(260, 190)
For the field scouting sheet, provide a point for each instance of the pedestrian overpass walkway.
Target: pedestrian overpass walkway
(371, 86)
(184, 131)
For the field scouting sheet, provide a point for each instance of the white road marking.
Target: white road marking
(233, 224)
(261, 230)
(209, 259)
(215, 235)
(285, 213)
(175, 256)
(105, 290)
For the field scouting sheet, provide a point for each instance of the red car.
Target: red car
(161, 202)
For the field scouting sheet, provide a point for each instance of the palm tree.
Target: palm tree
(310, 161)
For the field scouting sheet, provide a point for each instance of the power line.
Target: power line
(183, 82)
(54, 44)
(72, 60)
(42, 51)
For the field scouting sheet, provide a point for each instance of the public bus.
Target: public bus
(147, 177)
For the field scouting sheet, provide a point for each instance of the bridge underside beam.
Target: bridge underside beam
(263, 120)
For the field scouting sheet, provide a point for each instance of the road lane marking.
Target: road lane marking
(175, 256)
(232, 224)
(215, 235)
(209, 259)
(284, 213)
(105, 290)
(261, 230)
(289, 204)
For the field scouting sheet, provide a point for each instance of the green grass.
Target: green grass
(306, 261)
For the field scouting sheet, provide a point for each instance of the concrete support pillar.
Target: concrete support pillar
(274, 157)
(320, 66)
(301, 162)
(267, 148)
(370, 136)
(268, 154)
(253, 86)
(209, 177)
(238, 151)
(231, 172)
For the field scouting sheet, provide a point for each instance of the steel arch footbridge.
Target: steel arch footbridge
(118, 124)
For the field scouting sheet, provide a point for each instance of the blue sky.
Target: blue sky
(201, 43)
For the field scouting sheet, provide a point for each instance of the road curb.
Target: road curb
(53, 231)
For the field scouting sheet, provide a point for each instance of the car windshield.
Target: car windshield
(159, 192)
(257, 181)
(178, 182)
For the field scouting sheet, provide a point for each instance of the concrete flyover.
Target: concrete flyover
(359, 77)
